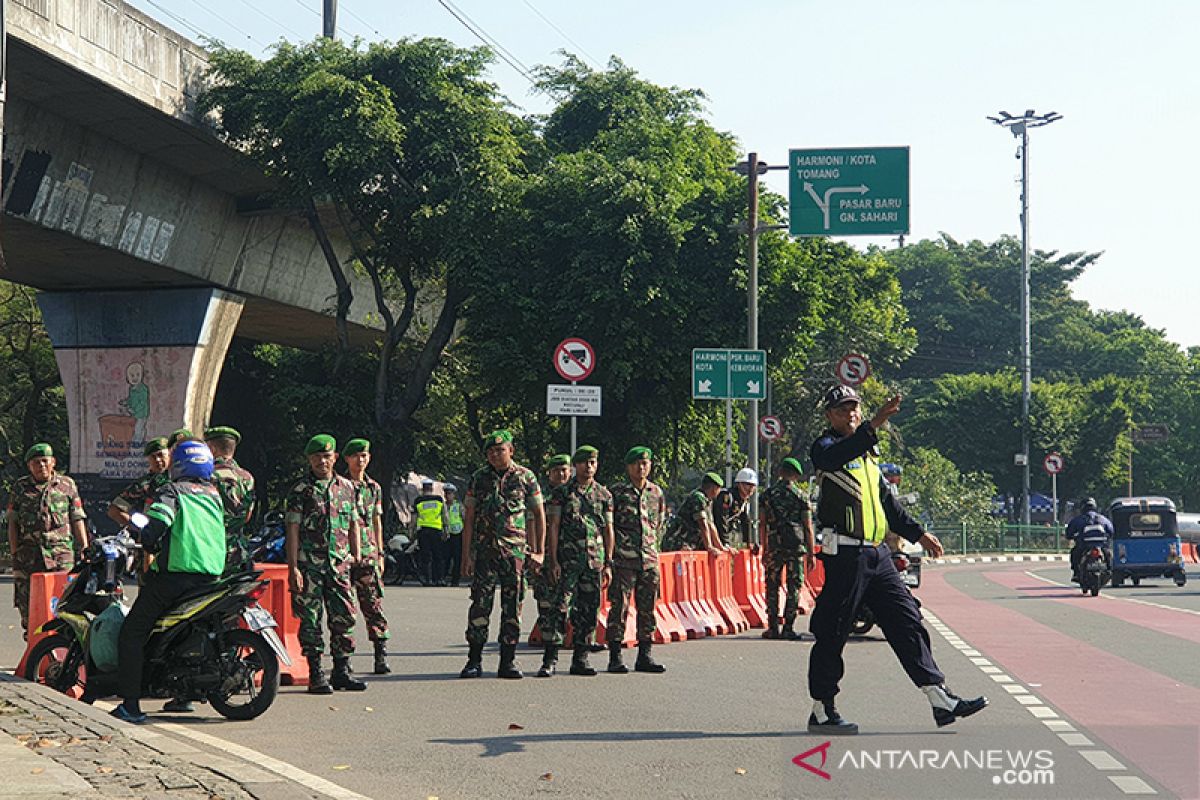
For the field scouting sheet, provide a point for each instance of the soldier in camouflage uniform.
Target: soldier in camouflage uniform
(786, 526)
(44, 514)
(639, 513)
(558, 472)
(693, 528)
(323, 544)
(494, 550)
(138, 495)
(367, 575)
(579, 517)
(236, 486)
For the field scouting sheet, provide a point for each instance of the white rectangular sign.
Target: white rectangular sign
(572, 400)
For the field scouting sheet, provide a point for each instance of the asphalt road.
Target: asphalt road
(1101, 696)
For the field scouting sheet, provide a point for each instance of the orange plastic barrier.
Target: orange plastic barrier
(675, 584)
(748, 588)
(668, 628)
(45, 589)
(630, 638)
(698, 581)
(1191, 553)
(278, 600)
(721, 569)
(814, 580)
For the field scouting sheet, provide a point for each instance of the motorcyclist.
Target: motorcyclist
(187, 531)
(1087, 529)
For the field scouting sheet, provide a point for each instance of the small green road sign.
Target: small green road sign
(848, 191)
(720, 374)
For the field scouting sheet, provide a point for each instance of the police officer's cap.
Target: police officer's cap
(840, 395)
(222, 432)
(427, 482)
(321, 443)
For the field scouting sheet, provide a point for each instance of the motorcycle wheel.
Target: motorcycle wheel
(249, 669)
(391, 572)
(1180, 578)
(1136, 580)
(57, 662)
(1095, 590)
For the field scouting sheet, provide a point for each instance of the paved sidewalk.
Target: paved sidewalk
(53, 747)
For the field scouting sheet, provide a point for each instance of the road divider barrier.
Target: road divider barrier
(1191, 554)
(45, 590)
(750, 587)
(720, 567)
(278, 600)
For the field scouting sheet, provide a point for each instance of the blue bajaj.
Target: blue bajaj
(1145, 540)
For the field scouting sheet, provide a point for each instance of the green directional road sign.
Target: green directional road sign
(848, 191)
(720, 374)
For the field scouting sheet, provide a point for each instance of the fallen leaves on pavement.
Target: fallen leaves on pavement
(549, 776)
(515, 727)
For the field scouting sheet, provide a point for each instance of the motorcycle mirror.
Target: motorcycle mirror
(138, 520)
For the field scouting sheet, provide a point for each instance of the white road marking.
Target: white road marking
(1001, 678)
(1015, 688)
(1131, 784)
(1101, 759)
(1041, 712)
(981, 662)
(1058, 725)
(991, 670)
(1029, 700)
(1076, 740)
(1118, 597)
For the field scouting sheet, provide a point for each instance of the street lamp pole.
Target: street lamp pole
(329, 19)
(1020, 125)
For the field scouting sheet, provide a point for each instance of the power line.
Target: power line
(233, 25)
(196, 31)
(501, 51)
(350, 12)
(272, 20)
(595, 61)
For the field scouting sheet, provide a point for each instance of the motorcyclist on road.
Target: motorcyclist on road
(187, 531)
(1088, 529)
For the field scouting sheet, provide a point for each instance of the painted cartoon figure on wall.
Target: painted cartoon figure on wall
(137, 402)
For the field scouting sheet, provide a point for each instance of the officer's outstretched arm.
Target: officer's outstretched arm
(829, 453)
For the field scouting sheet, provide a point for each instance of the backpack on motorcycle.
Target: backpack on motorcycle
(102, 639)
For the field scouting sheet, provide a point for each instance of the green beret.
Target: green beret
(497, 437)
(637, 454)
(154, 445)
(221, 432)
(792, 464)
(584, 453)
(38, 450)
(356, 446)
(321, 443)
(561, 460)
(714, 478)
(178, 436)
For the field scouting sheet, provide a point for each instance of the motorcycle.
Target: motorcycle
(1095, 569)
(198, 651)
(267, 546)
(910, 572)
(399, 560)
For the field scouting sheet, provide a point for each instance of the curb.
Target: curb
(995, 559)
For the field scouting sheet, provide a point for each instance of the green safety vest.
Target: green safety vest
(874, 522)
(429, 514)
(454, 513)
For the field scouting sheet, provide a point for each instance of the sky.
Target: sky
(1113, 176)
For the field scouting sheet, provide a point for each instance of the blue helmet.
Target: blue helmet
(191, 459)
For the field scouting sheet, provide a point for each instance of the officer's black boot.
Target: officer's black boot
(474, 667)
(579, 662)
(948, 706)
(615, 664)
(825, 719)
(341, 679)
(549, 661)
(508, 663)
(644, 662)
(317, 682)
(381, 665)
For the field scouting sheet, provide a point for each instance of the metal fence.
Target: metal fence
(964, 539)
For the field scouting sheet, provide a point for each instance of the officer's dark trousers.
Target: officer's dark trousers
(865, 575)
(452, 558)
(429, 555)
(156, 596)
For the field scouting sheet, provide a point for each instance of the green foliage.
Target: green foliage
(946, 496)
(32, 404)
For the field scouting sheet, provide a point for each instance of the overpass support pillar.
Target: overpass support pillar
(134, 365)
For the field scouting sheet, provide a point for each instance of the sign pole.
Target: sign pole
(1054, 495)
(574, 429)
(752, 309)
(728, 442)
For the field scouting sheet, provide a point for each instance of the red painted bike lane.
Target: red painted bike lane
(1152, 721)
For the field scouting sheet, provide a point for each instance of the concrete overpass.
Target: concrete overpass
(151, 240)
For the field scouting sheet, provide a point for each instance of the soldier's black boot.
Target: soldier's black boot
(508, 663)
(474, 667)
(317, 682)
(549, 661)
(789, 632)
(825, 719)
(644, 662)
(381, 665)
(615, 664)
(772, 631)
(341, 679)
(579, 661)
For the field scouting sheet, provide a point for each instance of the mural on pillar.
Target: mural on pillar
(126, 396)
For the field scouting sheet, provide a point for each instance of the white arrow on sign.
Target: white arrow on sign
(823, 204)
(753, 387)
(705, 387)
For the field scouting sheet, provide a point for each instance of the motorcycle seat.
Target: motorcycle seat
(191, 603)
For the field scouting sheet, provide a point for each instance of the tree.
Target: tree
(408, 152)
(945, 495)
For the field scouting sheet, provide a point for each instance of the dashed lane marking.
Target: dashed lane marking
(1102, 759)
(1043, 579)
(1131, 784)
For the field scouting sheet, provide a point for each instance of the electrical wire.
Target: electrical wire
(350, 12)
(196, 30)
(562, 33)
(233, 25)
(501, 51)
(272, 20)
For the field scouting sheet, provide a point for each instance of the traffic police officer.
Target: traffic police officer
(454, 527)
(236, 486)
(430, 518)
(854, 513)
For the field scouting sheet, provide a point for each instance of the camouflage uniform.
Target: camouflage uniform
(138, 495)
(731, 517)
(686, 530)
(786, 512)
(499, 547)
(44, 514)
(368, 583)
(638, 516)
(236, 486)
(582, 516)
(324, 510)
